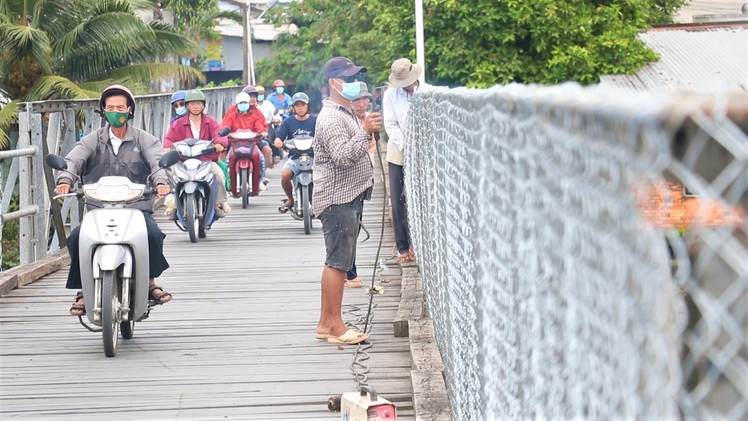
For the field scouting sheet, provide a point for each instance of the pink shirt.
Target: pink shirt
(209, 128)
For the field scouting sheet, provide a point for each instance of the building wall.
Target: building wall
(233, 53)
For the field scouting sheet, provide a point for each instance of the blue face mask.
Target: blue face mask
(181, 110)
(279, 90)
(351, 90)
(243, 107)
(260, 98)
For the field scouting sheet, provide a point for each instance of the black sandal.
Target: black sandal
(156, 298)
(285, 207)
(78, 306)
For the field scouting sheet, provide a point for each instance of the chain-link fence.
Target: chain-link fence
(584, 250)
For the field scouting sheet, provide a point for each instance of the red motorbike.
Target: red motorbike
(244, 164)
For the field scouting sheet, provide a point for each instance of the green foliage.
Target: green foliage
(69, 49)
(11, 251)
(478, 43)
(233, 82)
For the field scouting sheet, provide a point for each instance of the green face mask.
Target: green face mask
(116, 119)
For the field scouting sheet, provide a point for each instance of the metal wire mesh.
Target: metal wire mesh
(566, 272)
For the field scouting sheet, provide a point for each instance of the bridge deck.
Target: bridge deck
(237, 341)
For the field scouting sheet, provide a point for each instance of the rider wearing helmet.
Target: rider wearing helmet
(301, 124)
(280, 99)
(267, 107)
(118, 149)
(245, 115)
(201, 126)
(177, 104)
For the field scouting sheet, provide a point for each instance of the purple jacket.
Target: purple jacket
(209, 128)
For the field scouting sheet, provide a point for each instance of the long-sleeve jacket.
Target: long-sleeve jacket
(251, 120)
(93, 157)
(209, 128)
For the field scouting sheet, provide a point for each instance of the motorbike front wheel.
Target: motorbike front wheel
(306, 209)
(110, 307)
(244, 180)
(190, 216)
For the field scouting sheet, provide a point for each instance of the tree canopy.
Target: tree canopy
(70, 49)
(475, 43)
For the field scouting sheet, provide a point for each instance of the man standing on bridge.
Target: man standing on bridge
(343, 179)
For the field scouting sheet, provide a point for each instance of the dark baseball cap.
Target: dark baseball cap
(341, 67)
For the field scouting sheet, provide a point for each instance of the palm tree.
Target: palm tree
(72, 49)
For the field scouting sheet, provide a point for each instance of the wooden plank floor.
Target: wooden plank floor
(237, 341)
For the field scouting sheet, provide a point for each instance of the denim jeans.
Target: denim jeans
(340, 226)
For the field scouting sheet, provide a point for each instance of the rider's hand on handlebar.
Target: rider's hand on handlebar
(264, 135)
(62, 188)
(278, 143)
(372, 122)
(162, 190)
(219, 147)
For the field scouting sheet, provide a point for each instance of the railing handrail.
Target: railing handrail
(54, 127)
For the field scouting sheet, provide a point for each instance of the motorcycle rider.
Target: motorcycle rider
(266, 107)
(177, 104)
(280, 98)
(204, 127)
(102, 153)
(244, 115)
(301, 124)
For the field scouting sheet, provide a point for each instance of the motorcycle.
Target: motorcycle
(113, 254)
(194, 187)
(244, 164)
(303, 186)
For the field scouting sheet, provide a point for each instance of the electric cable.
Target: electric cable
(359, 369)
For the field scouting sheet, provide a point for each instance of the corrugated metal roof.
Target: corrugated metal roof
(261, 31)
(692, 58)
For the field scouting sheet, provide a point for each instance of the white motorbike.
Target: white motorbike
(113, 249)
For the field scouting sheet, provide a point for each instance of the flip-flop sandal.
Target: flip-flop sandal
(156, 298)
(323, 336)
(78, 307)
(350, 337)
(285, 207)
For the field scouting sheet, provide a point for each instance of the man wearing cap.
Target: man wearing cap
(343, 179)
(395, 104)
(302, 124)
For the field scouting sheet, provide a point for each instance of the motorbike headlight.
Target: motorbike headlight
(179, 173)
(304, 143)
(107, 191)
(203, 172)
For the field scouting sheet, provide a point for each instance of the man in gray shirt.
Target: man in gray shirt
(343, 179)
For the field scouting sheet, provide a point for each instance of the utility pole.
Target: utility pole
(245, 42)
(420, 56)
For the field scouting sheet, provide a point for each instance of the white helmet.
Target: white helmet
(242, 97)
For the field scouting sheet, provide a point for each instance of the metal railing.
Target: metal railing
(55, 127)
(584, 251)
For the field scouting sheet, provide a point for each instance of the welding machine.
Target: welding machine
(363, 405)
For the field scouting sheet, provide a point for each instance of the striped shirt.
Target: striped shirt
(342, 168)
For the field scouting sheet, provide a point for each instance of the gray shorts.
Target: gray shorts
(292, 165)
(340, 227)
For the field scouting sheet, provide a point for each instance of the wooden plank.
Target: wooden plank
(411, 300)
(430, 396)
(237, 340)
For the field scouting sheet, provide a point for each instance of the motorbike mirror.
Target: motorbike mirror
(224, 131)
(56, 162)
(170, 158)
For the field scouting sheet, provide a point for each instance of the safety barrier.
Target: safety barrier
(584, 251)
